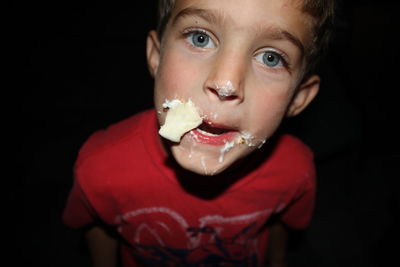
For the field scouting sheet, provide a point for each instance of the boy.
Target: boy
(216, 194)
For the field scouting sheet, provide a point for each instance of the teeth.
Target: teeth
(206, 133)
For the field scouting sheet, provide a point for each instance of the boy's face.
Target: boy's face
(240, 62)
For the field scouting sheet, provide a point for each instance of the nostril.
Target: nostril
(215, 92)
(229, 97)
(222, 94)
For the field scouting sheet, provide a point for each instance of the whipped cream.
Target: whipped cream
(225, 90)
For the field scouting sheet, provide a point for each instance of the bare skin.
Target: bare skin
(278, 246)
(102, 247)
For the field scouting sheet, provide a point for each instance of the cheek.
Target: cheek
(268, 109)
(178, 75)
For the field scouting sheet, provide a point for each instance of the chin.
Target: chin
(205, 163)
(198, 163)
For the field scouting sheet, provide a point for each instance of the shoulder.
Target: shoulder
(291, 161)
(292, 150)
(110, 156)
(110, 161)
(114, 136)
(116, 150)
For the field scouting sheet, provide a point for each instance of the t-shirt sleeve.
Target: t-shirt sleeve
(298, 214)
(78, 212)
(100, 171)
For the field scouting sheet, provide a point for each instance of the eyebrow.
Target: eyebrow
(208, 15)
(274, 32)
(277, 33)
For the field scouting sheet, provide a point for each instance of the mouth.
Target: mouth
(213, 134)
(211, 129)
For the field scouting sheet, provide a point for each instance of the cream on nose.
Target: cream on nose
(227, 75)
(225, 90)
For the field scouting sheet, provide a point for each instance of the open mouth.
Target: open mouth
(211, 134)
(209, 130)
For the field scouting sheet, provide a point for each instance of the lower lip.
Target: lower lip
(218, 140)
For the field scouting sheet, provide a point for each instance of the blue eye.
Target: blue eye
(269, 58)
(200, 39)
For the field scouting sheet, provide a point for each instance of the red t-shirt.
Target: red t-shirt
(167, 216)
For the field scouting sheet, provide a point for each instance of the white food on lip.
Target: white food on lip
(181, 118)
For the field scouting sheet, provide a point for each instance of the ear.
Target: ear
(153, 52)
(304, 95)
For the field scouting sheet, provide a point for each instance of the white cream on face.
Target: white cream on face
(244, 139)
(251, 141)
(203, 165)
(261, 143)
(175, 129)
(228, 146)
(247, 138)
(224, 90)
(170, 104)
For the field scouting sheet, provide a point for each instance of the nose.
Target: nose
(225, 81)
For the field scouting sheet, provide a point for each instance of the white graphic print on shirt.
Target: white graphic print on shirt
(216, 240)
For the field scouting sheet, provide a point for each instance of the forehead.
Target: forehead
(250, 15)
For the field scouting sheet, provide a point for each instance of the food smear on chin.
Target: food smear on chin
(203, 165)
(250, 140)
(228, 146)
(246, 138)
(181, 118)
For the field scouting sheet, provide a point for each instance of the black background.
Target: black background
(77, 66)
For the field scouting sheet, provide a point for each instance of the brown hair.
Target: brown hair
(322, 12)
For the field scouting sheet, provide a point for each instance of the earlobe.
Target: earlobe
(153, 52)
(304, 95)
